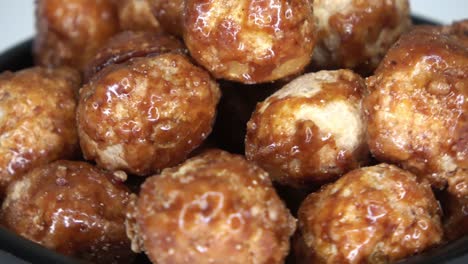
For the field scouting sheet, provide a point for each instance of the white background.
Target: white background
(17, 17)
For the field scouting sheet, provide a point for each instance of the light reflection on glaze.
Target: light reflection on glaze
(153, 114)
(266, 13)
(433, 61)
(375, 212)
(236, 221)
(201, 23)
(118, 90)
(198, 207)
(355, 252)
(69, 218)
(232, 29)
(18, 162)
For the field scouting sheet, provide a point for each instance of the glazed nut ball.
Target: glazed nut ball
(356, 34)
(250, 41)
(170, 15)
(70, 32)
(146, 114)
(37, 119)
(418, 107)
(376, 214)
(310, 131)
(137, 15)
(213, 208)
(131, 44)
(73, 208)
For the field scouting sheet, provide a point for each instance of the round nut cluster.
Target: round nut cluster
(35, 130)
(250, 41)
(73, 208)
(418, 106)
(213, 208)
(147, 114)
(312, 130)
(376, 214)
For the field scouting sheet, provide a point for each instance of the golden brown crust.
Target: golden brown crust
(214, 208)
(137, 15)
(73, 208)
(69, 32)
(170, 14)
(376, 214)
(310, 131)
(418, 107)
(131, 44)
(146, 114)
(37, 119)
(250, 41)
(356, 34)
(131, 226)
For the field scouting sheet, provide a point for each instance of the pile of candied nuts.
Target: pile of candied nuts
(221, 131)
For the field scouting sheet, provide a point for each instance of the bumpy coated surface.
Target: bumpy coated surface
(147, 114)
(37, 119)
(371, 215)
(214, 208)
(137, 15)
(69, 32)
(170, 15)
(356, 34)
(418, 106)
(73, 208)
(310, 131)
(250, 41)
(131, 44)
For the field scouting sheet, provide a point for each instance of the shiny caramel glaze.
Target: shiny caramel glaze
(69, 32)
(131, 44)
(146, 114)
(170, 14)
(137, 15)
(73, 208)
(356, 34)
(250, 41)
(418, 107)
(310, 131)
(455, 218)
(37, 119)
(371, 215)
(213, 208)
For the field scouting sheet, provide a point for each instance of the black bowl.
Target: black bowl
(17, 250)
